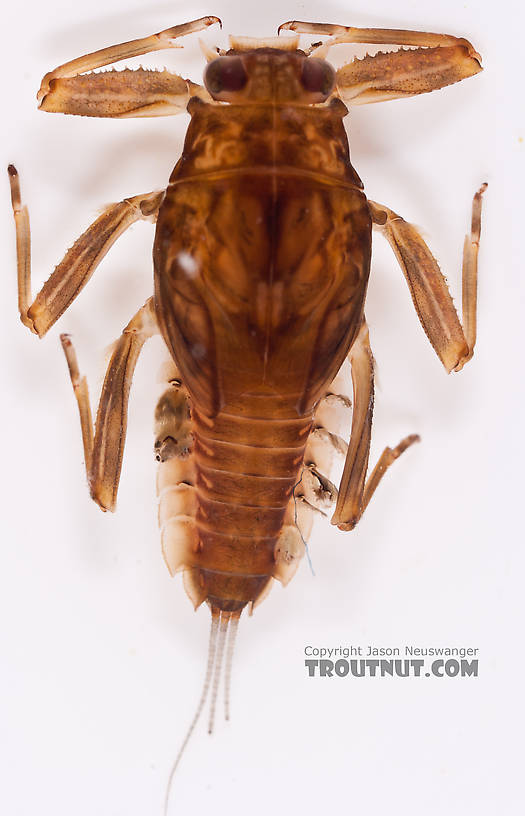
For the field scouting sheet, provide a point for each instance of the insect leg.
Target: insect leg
(379, 36)
(354, 492)
(126, 50)
(453, 343)
(404, 73)
(122, 94)
(103, 453)
(79, 263)
(439, 60)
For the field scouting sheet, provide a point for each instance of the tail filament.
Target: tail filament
(223, 629)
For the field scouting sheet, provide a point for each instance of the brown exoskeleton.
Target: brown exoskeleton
(261, 256)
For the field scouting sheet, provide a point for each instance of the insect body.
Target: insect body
(277, 231)
(262, 256)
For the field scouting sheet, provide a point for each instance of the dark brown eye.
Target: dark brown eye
(225, 74)
(318, 76)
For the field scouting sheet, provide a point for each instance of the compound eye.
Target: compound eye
(318, 77)
(225, 74)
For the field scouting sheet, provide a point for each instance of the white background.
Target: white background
(102, 656)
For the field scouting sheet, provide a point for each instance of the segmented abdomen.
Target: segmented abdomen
(227, 509)
(247, 468)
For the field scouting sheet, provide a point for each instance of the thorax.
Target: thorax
(267, 139)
